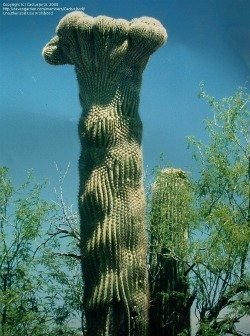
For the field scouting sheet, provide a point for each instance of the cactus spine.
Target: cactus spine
(109, 57)
(170, 212)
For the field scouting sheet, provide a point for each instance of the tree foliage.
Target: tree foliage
(38, 294)
(220, 243)
(216, 253)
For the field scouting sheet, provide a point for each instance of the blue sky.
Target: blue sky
(208, 41)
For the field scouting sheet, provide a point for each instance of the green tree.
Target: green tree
(39, 291)
(220, 241)
(207, 266)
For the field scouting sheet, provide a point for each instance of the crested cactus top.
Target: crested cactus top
(115, 36)
(109, 54)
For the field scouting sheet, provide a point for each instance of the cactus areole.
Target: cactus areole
(109, 56)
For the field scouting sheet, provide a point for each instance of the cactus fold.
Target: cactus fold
(109, 56)
(170, 218)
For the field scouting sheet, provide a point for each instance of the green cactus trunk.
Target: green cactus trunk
(170, 300)
(109, 57)
(111, 203)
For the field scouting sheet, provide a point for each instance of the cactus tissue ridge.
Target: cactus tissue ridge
(109, 56)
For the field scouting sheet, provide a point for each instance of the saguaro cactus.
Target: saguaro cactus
(109, 56)
(170, 217)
